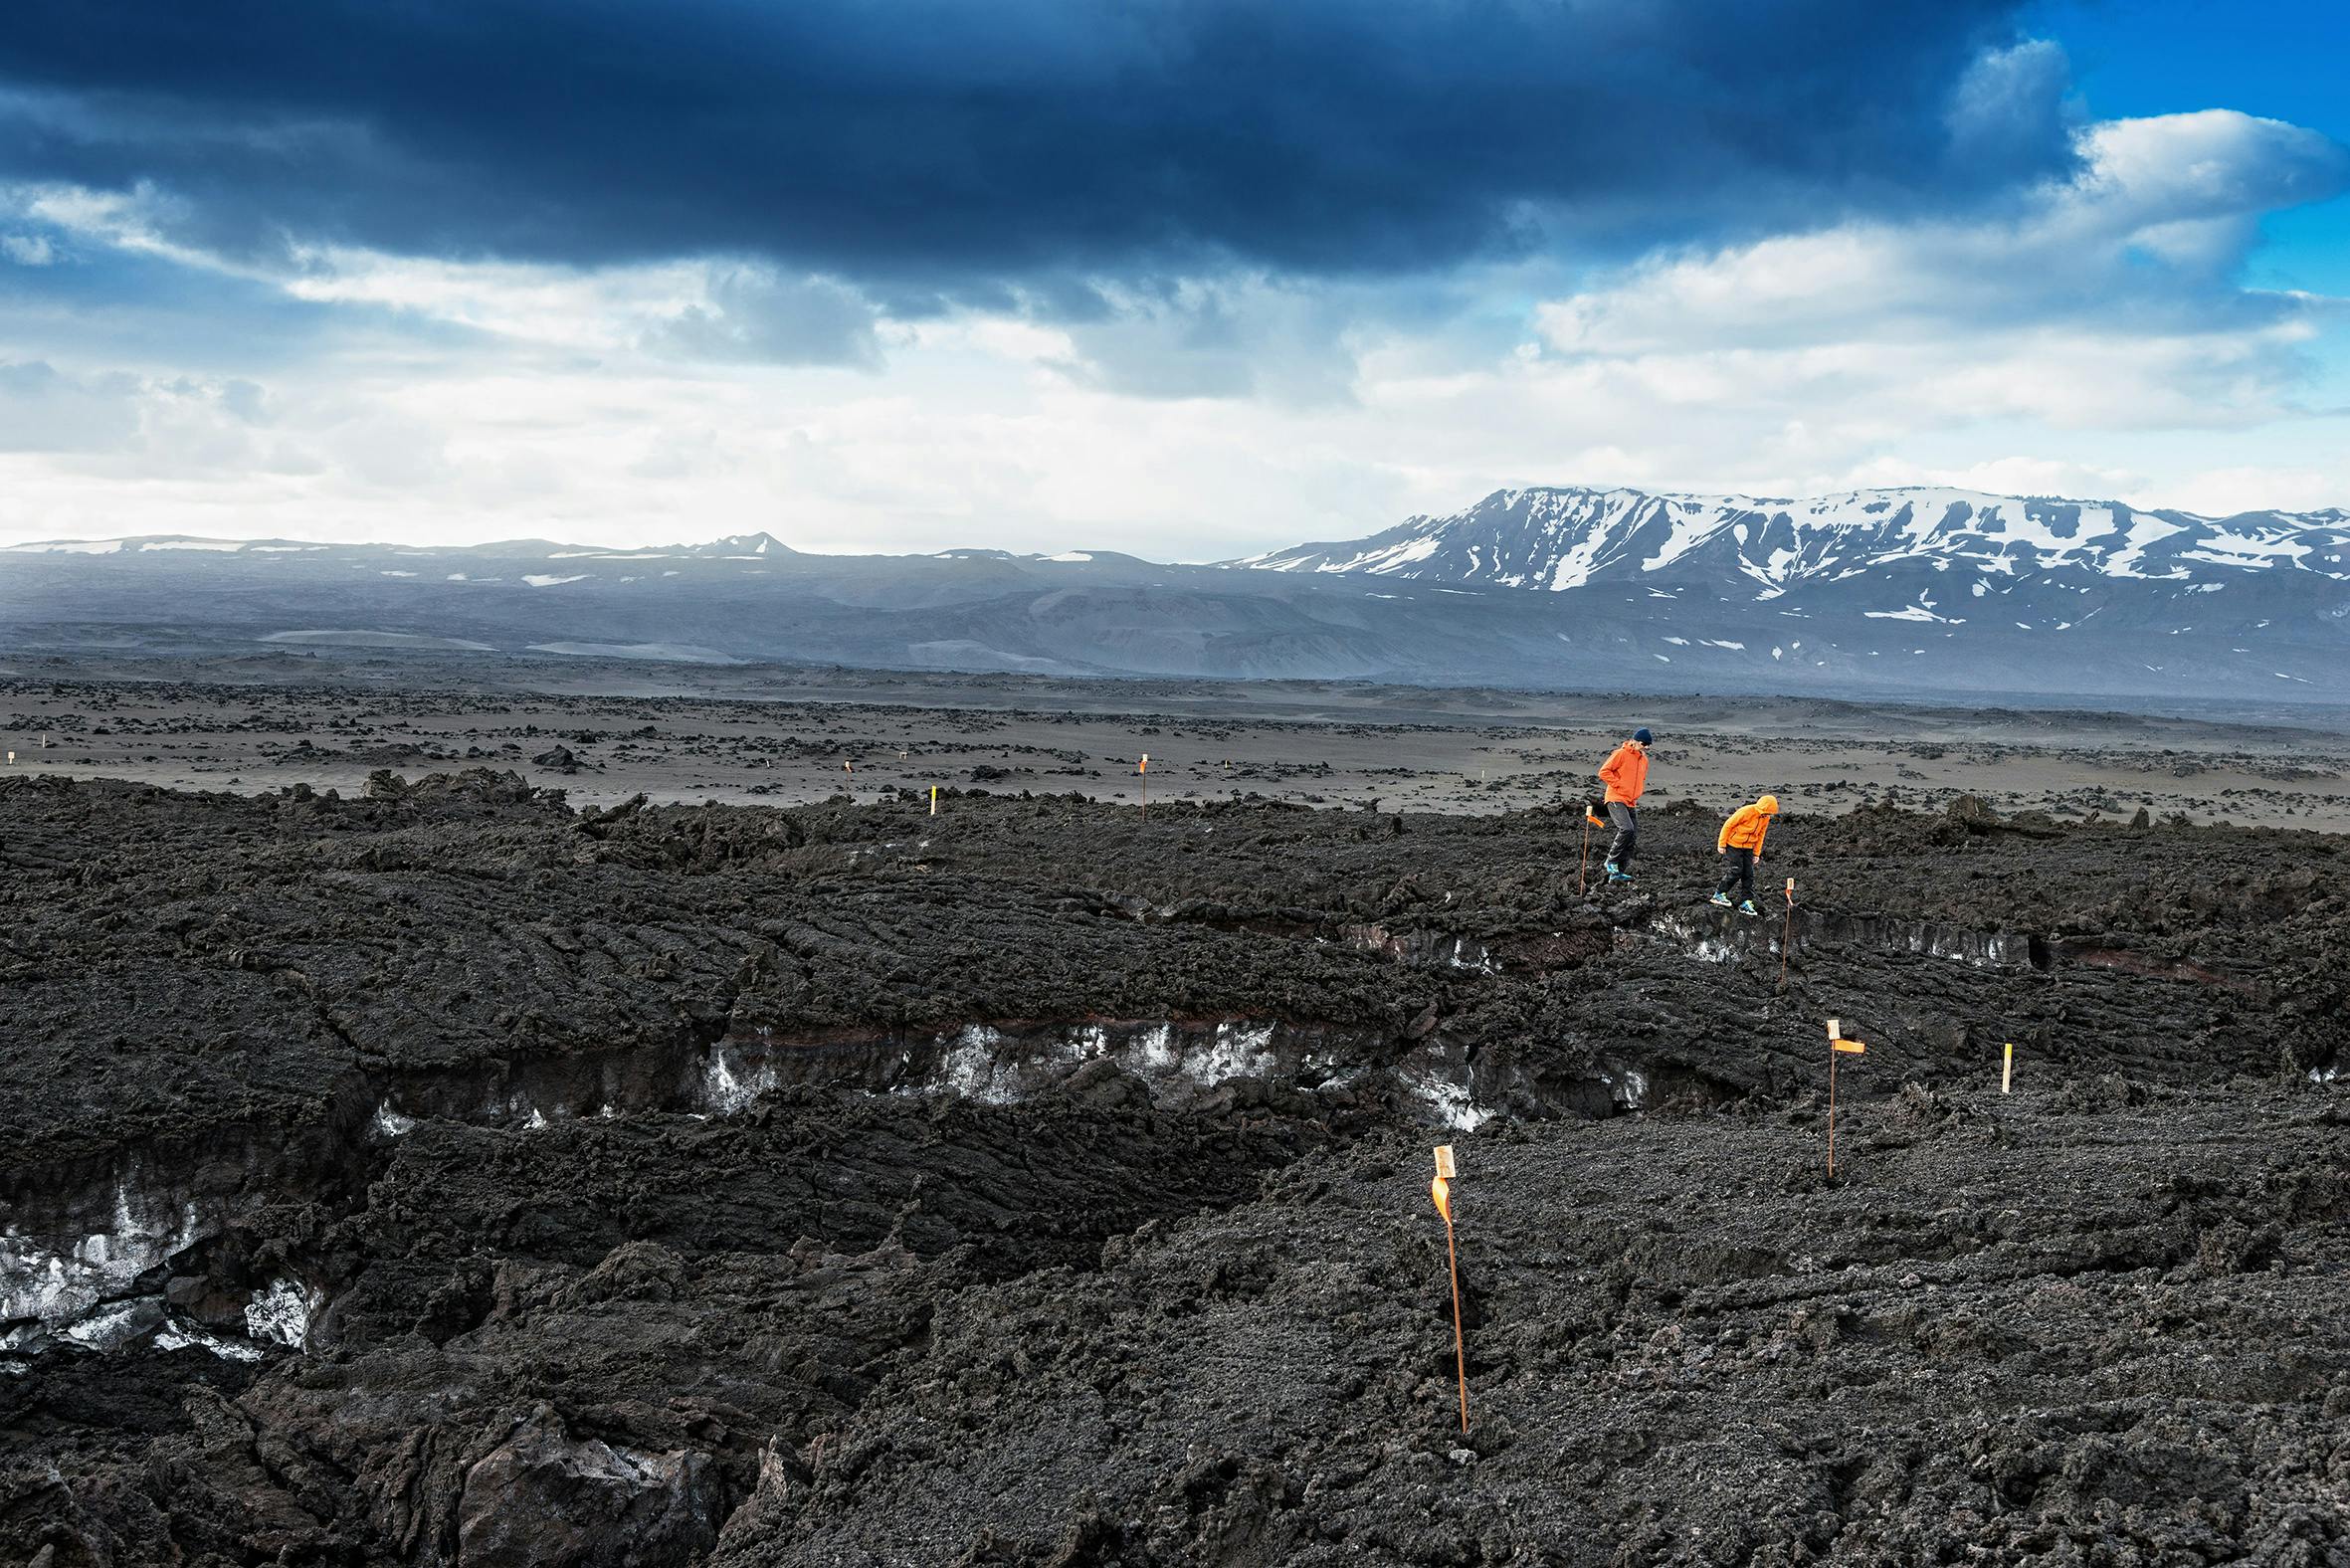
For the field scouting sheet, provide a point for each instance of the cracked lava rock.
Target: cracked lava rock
(448, 1176)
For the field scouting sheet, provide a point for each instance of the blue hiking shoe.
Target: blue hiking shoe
(1723, 900)
(1617, 874)
(1747, 907)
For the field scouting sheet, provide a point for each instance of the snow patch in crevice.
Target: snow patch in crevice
(56, 1282)
(1238, 1051)
(1451, 1103)
(282, 1312)
(179, 1333)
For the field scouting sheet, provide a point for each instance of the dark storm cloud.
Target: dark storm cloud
(932, 151)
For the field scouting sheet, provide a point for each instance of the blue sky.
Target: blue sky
(1188, 277)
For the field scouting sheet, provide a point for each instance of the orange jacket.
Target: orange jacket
(1748, 825)
(1626, 772)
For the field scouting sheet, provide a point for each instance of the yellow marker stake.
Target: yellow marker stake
(2007, 1065)
(1837, 1046)
(1440, 1190)
(934, 800)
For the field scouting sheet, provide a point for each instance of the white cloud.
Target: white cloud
(2089, 341)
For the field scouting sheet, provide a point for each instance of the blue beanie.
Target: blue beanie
(1642, 737)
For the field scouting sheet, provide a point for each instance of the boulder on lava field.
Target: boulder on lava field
(559, 758)
(1971, 812)
(542, 1497)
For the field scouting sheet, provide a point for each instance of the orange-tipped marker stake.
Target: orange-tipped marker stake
(1440, 1190)
(1837, 1046)
(2007, 1066)
(1786, 934)
(1583, 873)
(1143, 773)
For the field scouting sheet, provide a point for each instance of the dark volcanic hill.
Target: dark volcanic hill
(1899, 592)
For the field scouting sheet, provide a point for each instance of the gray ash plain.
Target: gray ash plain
(451, 1170)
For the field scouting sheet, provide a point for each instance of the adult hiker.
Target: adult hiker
(1625, 774)
(1740, 843)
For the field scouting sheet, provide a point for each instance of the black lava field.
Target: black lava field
(452, 1176)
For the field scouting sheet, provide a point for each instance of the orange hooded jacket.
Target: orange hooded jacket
(1626, 772)
(1748, 825)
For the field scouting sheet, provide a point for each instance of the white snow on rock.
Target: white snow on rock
(280, 1313)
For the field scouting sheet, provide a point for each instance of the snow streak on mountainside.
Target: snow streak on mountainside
(1571, 537)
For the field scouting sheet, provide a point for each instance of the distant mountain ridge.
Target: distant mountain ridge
(1568, 538)
(1917, 593)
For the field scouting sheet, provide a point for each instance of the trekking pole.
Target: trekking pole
(1786, 934)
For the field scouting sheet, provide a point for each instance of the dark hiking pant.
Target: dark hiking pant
(1626, 838)
(1737, 869)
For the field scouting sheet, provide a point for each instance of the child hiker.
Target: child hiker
(1740, 845)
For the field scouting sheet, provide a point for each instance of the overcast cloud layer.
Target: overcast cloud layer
(1187, 278)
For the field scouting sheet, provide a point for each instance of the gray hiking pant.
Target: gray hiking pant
(1626, 838)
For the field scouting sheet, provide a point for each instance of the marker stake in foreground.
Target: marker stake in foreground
(1440, 1190)
(1142, 772)
(2007, 1066)
(1837, 1046)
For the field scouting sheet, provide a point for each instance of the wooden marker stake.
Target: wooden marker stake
(1143, 773)
(1837, 1046)
(2007, 1066)
(1441, 1190)
(1583, 876)
(1786, 934)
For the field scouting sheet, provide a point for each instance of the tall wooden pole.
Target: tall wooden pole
(1832, 1113)
(1440, 1190)
(1460, 1341)
(1786, 934)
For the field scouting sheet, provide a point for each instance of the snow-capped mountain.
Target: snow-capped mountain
(1917, 593)
(1570, 537)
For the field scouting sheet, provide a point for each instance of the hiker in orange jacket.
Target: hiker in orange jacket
(1625, 774)
(1741, 843)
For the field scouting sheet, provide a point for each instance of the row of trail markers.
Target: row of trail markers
(1838, 1047)
(1440, 1190)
